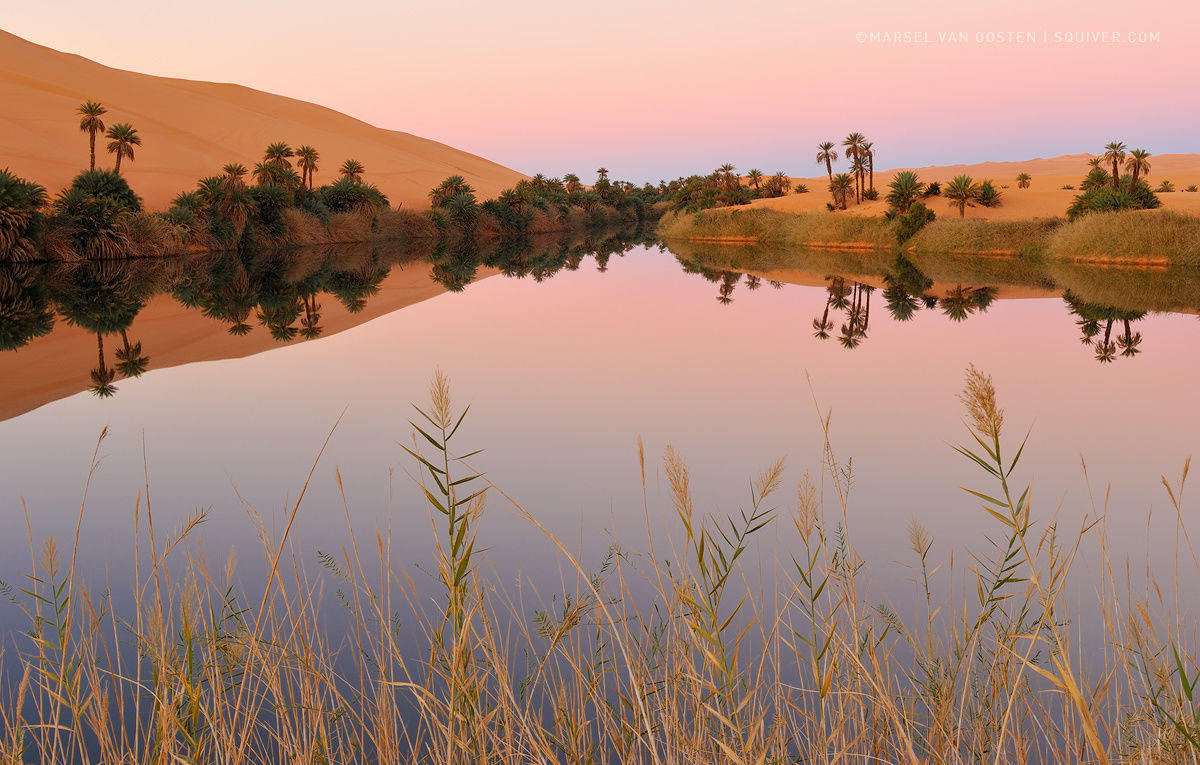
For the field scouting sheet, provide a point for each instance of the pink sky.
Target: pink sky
(660, 89)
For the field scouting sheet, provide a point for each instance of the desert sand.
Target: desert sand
(58, 365)
(190, 129)
(1045, 197)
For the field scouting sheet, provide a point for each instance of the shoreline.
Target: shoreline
(1132, 238)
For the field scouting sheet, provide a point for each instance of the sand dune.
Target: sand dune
(190, 129)
(1045, 197)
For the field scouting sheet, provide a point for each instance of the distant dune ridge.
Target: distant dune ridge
(190, 129)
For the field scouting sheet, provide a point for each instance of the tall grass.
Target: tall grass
(1156, 235)
(766, 226)
(668, 656)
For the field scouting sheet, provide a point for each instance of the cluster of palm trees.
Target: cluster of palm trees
(1136, 161)
(122, 137)
(861, 179)
(276, 168)
(1096, 323)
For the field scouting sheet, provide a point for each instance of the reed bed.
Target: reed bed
(668, 656)
(766, 226)
(957, 236)
(1162, 236)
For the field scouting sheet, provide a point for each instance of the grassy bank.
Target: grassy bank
(672, 656)
(1133, 237)
(766, 226)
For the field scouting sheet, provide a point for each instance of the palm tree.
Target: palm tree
(122, 138)
(572, 183)
(781, 180)
(452, 187)
(755, 176)
(130, 360)
(1106, 349)
(1138, 163)
(307, 158)
(601, 174)
(352, 169)
(962, 192)
(853, 144)
(904, 189)
(869, 148)
(90, 113)
(102, 376)
(1023, 180)
(1129, 341)
(841, 186)
(1115, 153)
(827, 154)
(823, 325)
(235, 172)
(725, 172)
(279, 152)
(1094, 162)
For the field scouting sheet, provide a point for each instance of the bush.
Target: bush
(1192, 188)
(110, 186)
(989, 195)
(312, 204)
(269, 203)
(871, 194)
(347, 195)
(801, 188)
(1166, 187)
(1068, 187)
(1129, 197)
(21, 202)
(1097, 178)
(934, 189)
(908, 224)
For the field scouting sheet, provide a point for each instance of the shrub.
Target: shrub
(21, 202)
(269, 203)
(989, 195)
(1129, 197)
(1068, 187)
(109, 185)
(1166, 187)
(908, 224)
(1097, 178)
(1192, 188)
(904, 190)
(933, 189)
(801, 188)
(349, 195)
(871, 194)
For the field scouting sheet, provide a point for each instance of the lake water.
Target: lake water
(567, 356)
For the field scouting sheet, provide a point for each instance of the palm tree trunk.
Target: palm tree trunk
(92, 135)
(1116, 177)
(117, 167)
(100, 349)
(871, 165)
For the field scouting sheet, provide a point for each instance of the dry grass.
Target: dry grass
(957, 236)
(705, 668)
(1151, 236)
(766, 226)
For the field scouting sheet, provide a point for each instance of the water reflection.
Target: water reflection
(908, 288)
(288, 296)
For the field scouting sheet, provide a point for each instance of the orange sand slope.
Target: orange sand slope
(190, 129)
(1045, 197)
(59, 364)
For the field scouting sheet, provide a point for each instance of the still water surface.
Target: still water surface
(567, 359)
